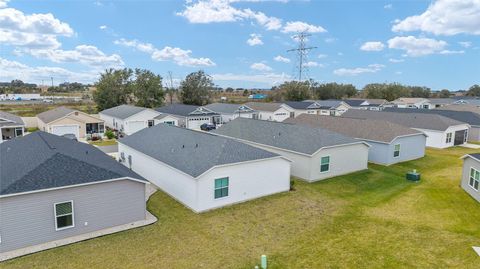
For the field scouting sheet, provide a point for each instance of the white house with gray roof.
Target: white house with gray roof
(11, 126)
(189, 116)
(441, 132)
(229, 112)
(316, 153)
(201, 170)
(129, 119)
(272, 111)
(390, 143)
(55, 191)
(471, 175)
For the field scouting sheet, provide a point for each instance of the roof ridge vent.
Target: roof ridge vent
(46, 142)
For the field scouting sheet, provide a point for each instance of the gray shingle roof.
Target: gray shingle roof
(462, 116)
(354, 102)
(54, 114)
(271, 107)
(474, 155)
(192, 152)
(42, 161)
(287, 136)
(298, 104)
(225, 108)
(376, 130)
(11, 120)
(329, 103)
(123, 111)
(412, 120)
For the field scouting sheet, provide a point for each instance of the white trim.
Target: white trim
(470, 176)
(74, 186)
(214, 188)
(56, 217)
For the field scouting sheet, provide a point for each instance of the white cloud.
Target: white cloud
(330, 40)
(372, 46)
(255, 40)
(15, 70)
(321, 56)
(398, 73)
(84, 54)
(372, 68)
(260, 67)
(388, 6)
(177, 55)
(392, 60)
(281, 59)
(445, 17)
(415, 47)
(465, 44)
(313, 64)
(269, 78)
(4, 3)
(446, 52)
(298, 26)
(103, 27)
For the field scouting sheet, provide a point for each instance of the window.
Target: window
(449, 138)
(221, 187)
(169, 122)
(18, 132)
(474, 181)
(101, 128)
(64, 215)
(325, 164)
(150, 123)
(396, 150)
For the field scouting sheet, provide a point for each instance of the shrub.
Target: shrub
(109, 134)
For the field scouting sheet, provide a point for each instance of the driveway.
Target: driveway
(108, 149)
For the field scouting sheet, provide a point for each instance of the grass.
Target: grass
(31, 110)
(104, 142)
(369, 219)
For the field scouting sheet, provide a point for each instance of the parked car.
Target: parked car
(207, 127)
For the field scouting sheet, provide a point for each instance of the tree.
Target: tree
(195, 89)
(113, 88)
(416, 91)
(444, 93)
(148, 89)
(229, 89)
(474, 90)
(295, 90)
(333, 91)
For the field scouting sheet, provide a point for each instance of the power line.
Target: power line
(302, 55)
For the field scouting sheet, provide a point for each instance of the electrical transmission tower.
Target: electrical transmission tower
(302, 55)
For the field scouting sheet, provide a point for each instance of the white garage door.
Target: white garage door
(65, 129)
(195, 123)
(135, 126)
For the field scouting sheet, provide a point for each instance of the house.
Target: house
(331, 107)
(462, 107)
(390, 143)
(367, 104)
(303, 107)
(56, 191)
(190, 116)
(63, 120)
(471, 118)
(201, 170)
(412, 103)
(229, 112)
(316, 153)
(471, 175)
(272, 111)
(441, 132)
(11, 126)
(441, 102)
(129, 119)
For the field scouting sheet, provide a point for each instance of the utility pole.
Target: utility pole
(52, 81)
(302, 54)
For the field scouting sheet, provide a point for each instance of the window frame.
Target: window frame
(150, 122)
(394, 150)
(470, 178)
(221, 188)
(321, 164)
(448, 139)
(56, 217)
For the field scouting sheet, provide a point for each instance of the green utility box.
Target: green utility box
(413, 176)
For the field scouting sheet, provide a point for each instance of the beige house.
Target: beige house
(63, 120)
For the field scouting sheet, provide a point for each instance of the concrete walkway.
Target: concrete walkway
(470, 146)
(477, 250)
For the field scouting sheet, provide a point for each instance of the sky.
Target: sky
(244, 43)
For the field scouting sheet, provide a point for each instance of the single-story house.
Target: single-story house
(471, 175)
(390, 143)
(167, 119)
(316, 153)
(441, 132)
(441, 102)
(11, 126)
(367, 104)
(229, 112)
(55, 191)
(63, 120)
(272, 111)
(129, 119)
(201, 170)
(471, 118)
(330, 107)
(303, 107)
(190, 116)
(464, 107)
(405, 102)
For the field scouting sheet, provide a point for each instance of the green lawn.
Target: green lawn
(370, 219)
(104, 142)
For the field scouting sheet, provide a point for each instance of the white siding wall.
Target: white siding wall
(437, 139)
(132, 124)
(468, 163)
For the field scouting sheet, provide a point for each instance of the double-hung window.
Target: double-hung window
(221, 187)
(449, 138)
(325, 164)
(64, 215)
(396, 150)
(474, 181)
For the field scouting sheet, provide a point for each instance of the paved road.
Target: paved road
(109, 149)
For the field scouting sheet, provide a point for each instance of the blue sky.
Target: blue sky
(244, 43)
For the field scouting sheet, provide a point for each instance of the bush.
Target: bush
(292, 185)
(109, 134)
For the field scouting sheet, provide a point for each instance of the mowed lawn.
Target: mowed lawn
(370, 219)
